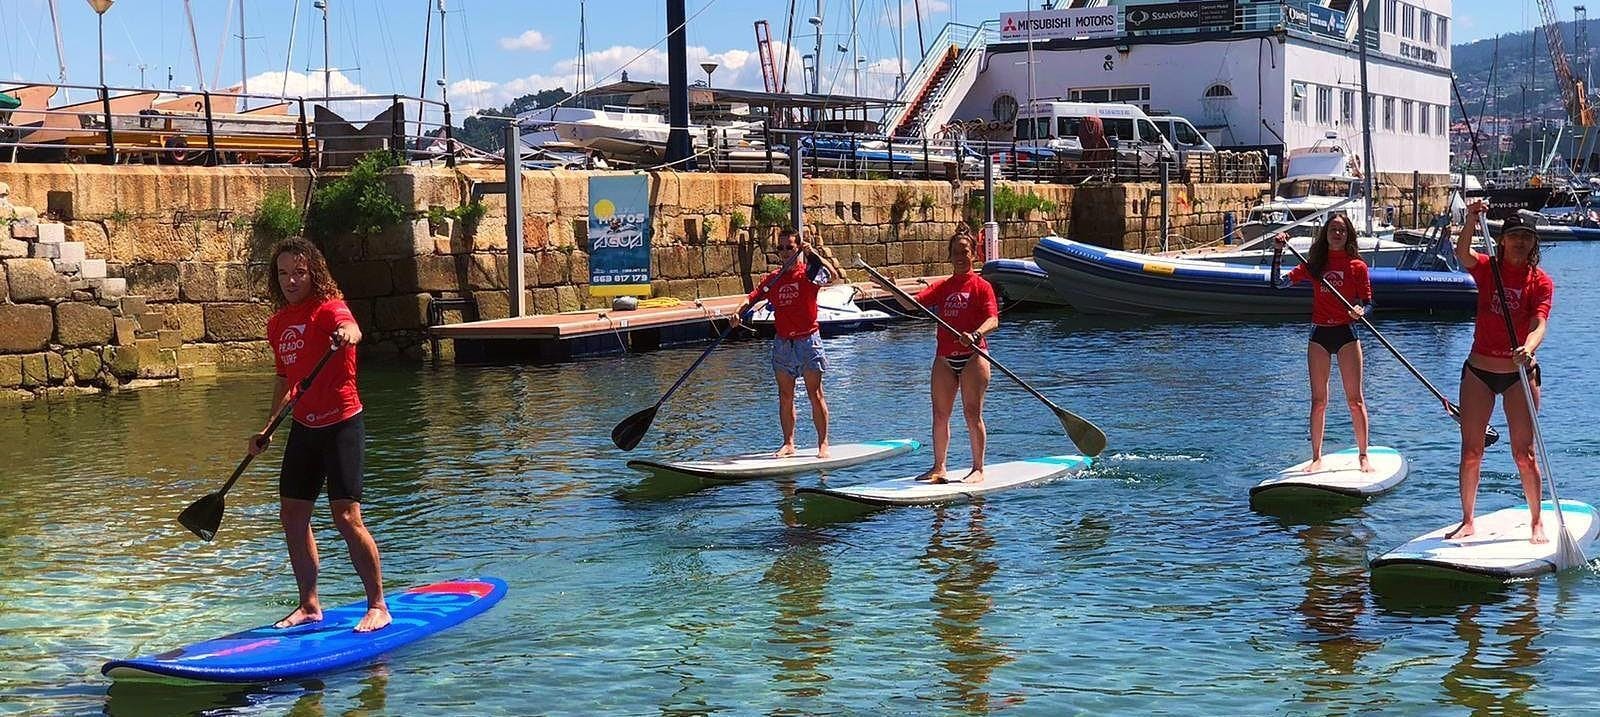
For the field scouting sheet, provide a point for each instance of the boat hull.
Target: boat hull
(1021, 281)
(1094, 280)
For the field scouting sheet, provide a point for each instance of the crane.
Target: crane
(1574, 95)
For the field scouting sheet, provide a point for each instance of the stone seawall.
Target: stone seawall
(117, 275)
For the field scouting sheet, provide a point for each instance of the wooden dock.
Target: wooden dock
(557, 337)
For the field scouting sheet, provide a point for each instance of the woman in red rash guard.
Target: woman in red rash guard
(967, 302)
(327, 436)
(1335, 257)
(1491, 368)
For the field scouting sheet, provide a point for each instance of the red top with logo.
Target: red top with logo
(964, 301)
(300, 333)
(1529, 292)
(1347, 274)
(793, 298)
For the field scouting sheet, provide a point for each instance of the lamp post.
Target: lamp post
(709, 67)
(327, 81)
(100, 7)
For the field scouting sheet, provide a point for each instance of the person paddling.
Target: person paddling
(1491, 368)
(327, 436)
(797, 347)
(967, 302)
(1335, 257)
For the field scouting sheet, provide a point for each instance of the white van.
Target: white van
(1054, 126)
(1182, 135)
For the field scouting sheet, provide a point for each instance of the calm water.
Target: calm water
(1147, 584)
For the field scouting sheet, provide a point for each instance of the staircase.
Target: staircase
(945, 73)
(915, 119)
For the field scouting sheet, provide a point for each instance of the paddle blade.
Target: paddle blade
(631, 430)
(1490, 436)
(1568, 554)
(203, 517)
(1085, 435)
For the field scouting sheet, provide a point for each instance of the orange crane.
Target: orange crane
(769, 69)
(1574, 95)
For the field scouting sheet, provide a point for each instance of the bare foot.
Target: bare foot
(1465, 530)
(1366, 465)
(1538, 535)
(934, 475)
(300, 616)
(784, 452)
(1314, 466)
(976, 476)
(376, 618)
(822, 450)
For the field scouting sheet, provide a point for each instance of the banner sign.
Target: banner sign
(1180, 15)
(1088, 22)
(1326, 21)
(619, 236)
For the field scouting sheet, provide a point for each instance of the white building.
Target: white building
(1282, 72)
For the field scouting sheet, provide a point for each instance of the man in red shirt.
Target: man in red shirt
(327, 436)
(797, 346)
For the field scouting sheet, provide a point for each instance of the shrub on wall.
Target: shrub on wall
(357, 203)
(772, 211)
(278, 218)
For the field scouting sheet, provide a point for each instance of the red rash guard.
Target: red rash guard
(299, 334)
(964, 301)
(1348, 275)
(1529, 292)
(793, 297)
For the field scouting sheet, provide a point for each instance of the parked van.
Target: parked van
(1182, 135)
(1054, 126)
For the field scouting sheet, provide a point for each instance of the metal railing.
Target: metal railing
(141, 125)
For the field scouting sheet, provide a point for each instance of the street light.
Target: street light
(327, 66)
(709, 67)
(100, 7)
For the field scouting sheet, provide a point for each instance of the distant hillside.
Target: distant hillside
(1517, 62)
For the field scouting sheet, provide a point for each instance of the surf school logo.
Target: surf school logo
(1513, 301)
(290, 342)
(956, 303)
(787, 294)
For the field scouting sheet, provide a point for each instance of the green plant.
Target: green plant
(901, 205)
(707, 228)
(278, 217)
(357, 203)
(736, 221)
(772, 210)
(925, 202)
(119, 216)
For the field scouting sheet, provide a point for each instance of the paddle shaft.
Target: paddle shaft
(283, 413)
(1522, 371)
(1451, 407)
(889, 284)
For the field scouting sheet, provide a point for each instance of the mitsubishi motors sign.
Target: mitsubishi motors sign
(1056, 24)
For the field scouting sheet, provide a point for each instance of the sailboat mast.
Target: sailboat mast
(244, 74)
(1366, 115)
(444, 69)
(583, 44)
(427, 44)
(294, 24)
(194, 42)
(61, 57)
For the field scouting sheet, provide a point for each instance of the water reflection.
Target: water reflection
(1334, 603)
(1495, 672)
(958, 557)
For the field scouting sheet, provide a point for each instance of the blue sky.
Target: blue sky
(498, 49)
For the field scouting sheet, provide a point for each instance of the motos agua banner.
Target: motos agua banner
(619, 236)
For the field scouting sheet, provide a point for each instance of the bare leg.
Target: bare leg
(819, 410)
(1320, 366)
(364, 556)
(944, 384)
(786, 413)
(1521, 423)
(974, 383)
(1350, 365)
(1477, 402)
(295, 516)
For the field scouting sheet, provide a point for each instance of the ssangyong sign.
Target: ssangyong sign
(1055, 24)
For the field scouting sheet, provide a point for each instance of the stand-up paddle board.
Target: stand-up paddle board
(266, 653)
(1497, 549)
(1340, 475)
(910, 491)
(763, 465)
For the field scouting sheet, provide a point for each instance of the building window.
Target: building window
(1134, 95)
(1441, 121)
(1297, 101)
(1388, 113)
(1408, 22)
(1391, 14)
(1324, 105)
(1444, 31)
(1405, 116)
(1219, 90)
(1426, 27)
(1004, 108)
(1423, 112)
(1347, 107)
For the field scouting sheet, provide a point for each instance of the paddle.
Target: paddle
(1085, 435)
(629, 431)
(1567, 552)
(1489, 435)
(203, 517)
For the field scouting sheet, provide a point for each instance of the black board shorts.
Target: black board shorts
(331, 454)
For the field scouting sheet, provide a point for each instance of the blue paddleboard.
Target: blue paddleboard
(266, 653)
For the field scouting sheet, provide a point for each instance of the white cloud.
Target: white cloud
(530, 40)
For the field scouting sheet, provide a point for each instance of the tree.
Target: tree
(483, 130)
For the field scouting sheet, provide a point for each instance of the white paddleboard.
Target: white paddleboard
(1340, 475)
(1498, 547)
(763, 465)
(996, 477)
